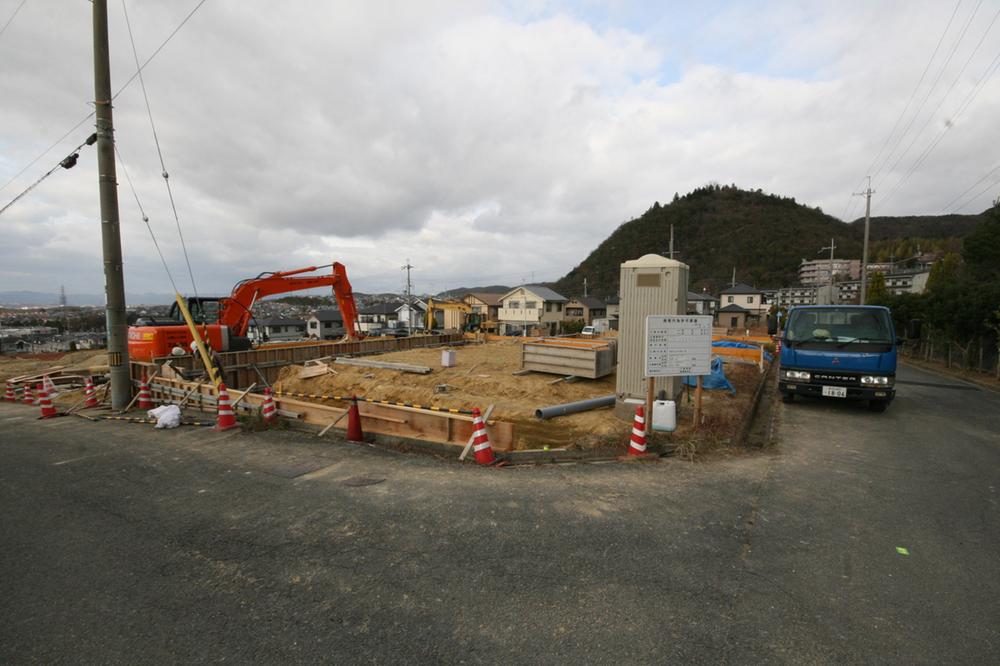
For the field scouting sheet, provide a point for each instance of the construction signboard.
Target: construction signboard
(678, 345)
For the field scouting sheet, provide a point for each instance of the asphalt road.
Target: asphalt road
(121, 544)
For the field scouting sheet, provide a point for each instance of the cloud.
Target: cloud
(483, 141)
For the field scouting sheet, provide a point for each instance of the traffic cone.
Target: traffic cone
(226, 419)
(267, 410)
(481, 440)
(145, 398)
(90, 394)
(354, 432)
(9, 396)
(637, 442)
(50, 387)
(27, 398)
(48, 411)
(38, 394)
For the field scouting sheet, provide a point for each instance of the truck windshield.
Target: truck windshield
(838, 327)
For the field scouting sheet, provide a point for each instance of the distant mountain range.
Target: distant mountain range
(39, 298)
(763, 236)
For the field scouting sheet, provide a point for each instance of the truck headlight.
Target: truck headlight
(798, 375)
(875, 380)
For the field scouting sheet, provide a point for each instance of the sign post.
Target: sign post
(677, 345)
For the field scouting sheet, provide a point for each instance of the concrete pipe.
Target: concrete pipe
(574, 407)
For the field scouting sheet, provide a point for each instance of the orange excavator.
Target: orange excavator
(223, 322)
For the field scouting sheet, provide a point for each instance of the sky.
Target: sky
(481, 142)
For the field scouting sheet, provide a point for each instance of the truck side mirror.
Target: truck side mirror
(772, 324)
(913, 328)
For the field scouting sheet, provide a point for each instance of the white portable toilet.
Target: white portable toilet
(650, 285)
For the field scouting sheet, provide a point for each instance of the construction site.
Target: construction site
(532, 398)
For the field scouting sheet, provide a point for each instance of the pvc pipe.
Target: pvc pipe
(574, 407)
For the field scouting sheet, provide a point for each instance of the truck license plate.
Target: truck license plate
(835, 391)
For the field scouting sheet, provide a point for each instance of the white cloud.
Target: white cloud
(478, 140)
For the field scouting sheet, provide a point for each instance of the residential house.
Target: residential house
(732, 317)
(485, 307)
(279, 328)
(531, 308)
(412, 315)
(749, 298)
(326, 325)
(701, 304)
(585, 309)
(379, 315)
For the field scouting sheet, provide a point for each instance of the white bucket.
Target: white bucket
(447, 358)
(664, 415)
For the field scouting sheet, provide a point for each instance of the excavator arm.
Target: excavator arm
(236, 309)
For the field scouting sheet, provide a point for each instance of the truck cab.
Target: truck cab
(839, 351)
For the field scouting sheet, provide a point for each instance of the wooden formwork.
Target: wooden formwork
(264, 364)
(397, 421)
(570, 356)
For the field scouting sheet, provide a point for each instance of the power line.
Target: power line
(120, 90)
(12, 16)
(930, 116)
(851, 200)
(156, 140)
(67, 162)
(930, 91)
(959, 197)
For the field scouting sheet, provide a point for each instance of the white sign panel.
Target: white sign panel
(678, 345)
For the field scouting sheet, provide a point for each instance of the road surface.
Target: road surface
(125, 544)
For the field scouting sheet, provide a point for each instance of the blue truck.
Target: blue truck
(838, 351)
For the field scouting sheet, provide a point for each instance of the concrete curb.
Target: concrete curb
(754, 405)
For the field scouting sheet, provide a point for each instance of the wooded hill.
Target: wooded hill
(764, 236)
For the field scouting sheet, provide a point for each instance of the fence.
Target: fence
(981, 356)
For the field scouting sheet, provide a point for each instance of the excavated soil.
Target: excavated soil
(483, 375)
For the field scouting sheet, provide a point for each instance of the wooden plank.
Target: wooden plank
(404, 367)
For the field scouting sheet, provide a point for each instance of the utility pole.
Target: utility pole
(671, 241)
(734, 277)
(407, 268)
(831, 248)
(114, 278)
(864, 252)
(585, 287)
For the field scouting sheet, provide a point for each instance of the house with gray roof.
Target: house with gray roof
(532, 309)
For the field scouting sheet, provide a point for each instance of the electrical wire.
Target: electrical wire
(978, 194)
(120, 90)
(930, 91)
(851, 201)
(145, 218)
(959, 197)
(156, 140)
(72, 154)
(12, 17)
(930, 116)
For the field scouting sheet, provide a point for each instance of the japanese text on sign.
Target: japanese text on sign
(678, 345)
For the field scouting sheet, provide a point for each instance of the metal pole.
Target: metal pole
(114, 279)
(864, 252)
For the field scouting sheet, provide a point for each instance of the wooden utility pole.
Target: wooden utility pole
(831, 248)
(864, 253)
(114, 278)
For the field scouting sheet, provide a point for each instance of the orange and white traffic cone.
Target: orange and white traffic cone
(145, 397)
(90, 394)
(637, 442)
(226, 419)
(38, 394)
(9, 396)
(48, 411)
(354, 431)
(480, 440)
(267, 410)
(50, 387)
(26, 397)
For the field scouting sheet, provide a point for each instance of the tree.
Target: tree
(981, 249)
(878, 294)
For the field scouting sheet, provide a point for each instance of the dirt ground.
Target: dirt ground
(483, 375)
(24, 364)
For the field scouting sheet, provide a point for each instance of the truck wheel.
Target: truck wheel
(877, 405)
(788, 398)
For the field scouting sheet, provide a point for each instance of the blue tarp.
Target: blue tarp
(715, 380)
(739, 345)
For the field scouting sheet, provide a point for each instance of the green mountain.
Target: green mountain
(763, 236)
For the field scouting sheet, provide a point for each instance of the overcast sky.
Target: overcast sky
(486, 142)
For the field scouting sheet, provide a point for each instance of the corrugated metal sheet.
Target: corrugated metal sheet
(650, 285)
